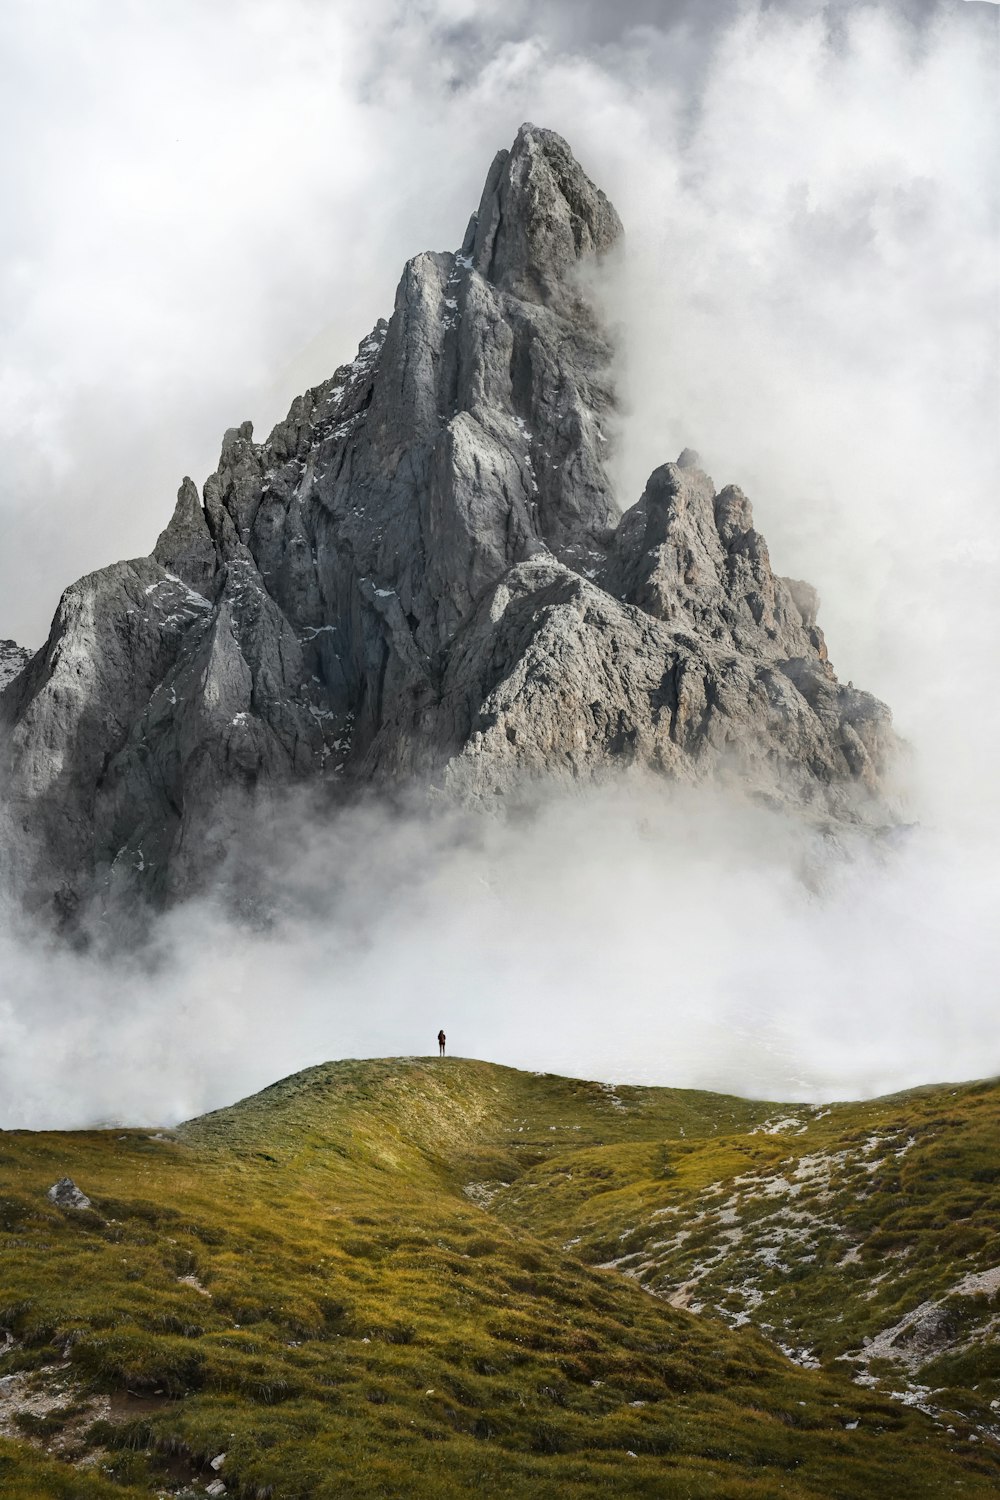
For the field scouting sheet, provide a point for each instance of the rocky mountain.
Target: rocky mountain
(422, 574)
(12, 659)
(413, 1277)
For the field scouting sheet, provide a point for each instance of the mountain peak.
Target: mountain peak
(539, 216)
(423, 575)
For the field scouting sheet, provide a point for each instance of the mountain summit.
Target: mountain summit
(423, 573)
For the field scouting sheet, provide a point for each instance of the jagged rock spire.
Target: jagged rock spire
(540, 215)
(423, 573)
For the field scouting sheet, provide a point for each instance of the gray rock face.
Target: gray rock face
(422, 573)
(13, 659)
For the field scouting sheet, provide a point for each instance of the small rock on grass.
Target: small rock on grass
(66, 1194)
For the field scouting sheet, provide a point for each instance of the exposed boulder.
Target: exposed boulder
(66, 1194)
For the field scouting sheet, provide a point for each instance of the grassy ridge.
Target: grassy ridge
(308, 1282)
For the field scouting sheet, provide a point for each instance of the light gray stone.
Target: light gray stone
(66, 1194)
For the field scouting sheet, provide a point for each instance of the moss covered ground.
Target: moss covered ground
(419, 1278)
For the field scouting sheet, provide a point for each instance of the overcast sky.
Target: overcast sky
(206, 207)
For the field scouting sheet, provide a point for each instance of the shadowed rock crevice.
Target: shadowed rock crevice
(422, 572)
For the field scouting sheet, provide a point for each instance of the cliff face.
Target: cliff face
(422, 573)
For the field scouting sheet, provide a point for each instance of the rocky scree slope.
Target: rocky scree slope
(423, 573)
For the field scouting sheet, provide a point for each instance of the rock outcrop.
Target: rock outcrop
(13, 659)
(423, 573)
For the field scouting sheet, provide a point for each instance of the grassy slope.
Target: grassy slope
(824, 1228)
(354, 1325)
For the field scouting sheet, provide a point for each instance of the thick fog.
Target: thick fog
(633, 934)
(208, 207)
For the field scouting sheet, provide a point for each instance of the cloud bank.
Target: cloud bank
(637, 933)
(209, 214)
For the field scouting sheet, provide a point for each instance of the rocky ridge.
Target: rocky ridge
(423, 574)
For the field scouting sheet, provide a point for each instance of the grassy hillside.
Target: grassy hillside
(379, 1279)
(866, 1234)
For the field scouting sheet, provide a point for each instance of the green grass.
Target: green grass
(825, 1233)
(353, 1324)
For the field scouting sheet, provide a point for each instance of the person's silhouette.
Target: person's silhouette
(441, 1042)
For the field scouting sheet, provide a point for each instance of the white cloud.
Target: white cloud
(813, 304)
(632, 934)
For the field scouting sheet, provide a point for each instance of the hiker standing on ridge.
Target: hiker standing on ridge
(441, 1041)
